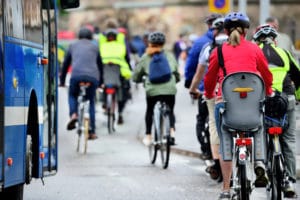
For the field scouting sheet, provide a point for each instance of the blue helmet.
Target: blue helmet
(236, 19)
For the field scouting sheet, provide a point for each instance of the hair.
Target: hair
(234, 36)
(273, 21)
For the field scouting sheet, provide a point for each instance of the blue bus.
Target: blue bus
(28, 92)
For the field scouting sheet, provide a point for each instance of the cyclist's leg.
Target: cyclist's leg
(226, 166)
(150, 103)
(91, 92)
(73, 104)
(202, 134)
(215, 170)
(288, 143)
(170, 101)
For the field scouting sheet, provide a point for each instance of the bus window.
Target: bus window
(13, 19)
(32, 21)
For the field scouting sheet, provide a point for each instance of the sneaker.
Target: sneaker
(147, 140)
(72, 123)
(261, 177)
(120, 119)
(215, 171)
(172, 140)
(92, 136)
(225, 195)
(289, 189)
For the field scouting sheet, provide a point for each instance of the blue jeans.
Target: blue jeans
(217, 116)
(91, 92)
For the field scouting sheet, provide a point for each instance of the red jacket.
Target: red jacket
(247, 57)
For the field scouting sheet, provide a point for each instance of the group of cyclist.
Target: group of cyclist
(276, 66)
(204, 74)
(102, 61)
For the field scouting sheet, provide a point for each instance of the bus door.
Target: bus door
(50, 87)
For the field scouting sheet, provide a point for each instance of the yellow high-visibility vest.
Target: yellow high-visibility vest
(115, 52)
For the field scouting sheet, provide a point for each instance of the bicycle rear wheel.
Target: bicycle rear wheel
(276, 179)
(165, 140)
(244, 183)
(110, 113)
(86, 125)
(153, 148)
(79, 128)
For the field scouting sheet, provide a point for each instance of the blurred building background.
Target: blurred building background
(174, 16)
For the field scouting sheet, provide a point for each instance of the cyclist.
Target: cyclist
(219, 38)
(286, 80)
(239, 55)
(114, 50)
(189, 71)
(159, 91)
(86, 66)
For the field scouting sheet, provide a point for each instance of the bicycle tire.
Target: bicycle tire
(276, 179)
(79, 128)
(244, 192)
(86, 125)
(153, 148)
(165, 139)
(110, 113)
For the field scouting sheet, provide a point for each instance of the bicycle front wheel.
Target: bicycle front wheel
(165, 140)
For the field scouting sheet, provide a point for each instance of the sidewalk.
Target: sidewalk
(186, 139)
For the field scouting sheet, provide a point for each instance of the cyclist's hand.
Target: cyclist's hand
(195, 94)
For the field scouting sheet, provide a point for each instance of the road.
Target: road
(117, 166)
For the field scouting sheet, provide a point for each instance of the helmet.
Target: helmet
(221, 38)
(157, 38)
(218, 24)
(85, 33)
(236, 19)
(111, 34)
(209, 19)
(265, 30)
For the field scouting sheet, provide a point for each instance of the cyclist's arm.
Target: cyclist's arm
(139, 70)
(173, 62)
(65, 67)
(200, 71)
(100, 68)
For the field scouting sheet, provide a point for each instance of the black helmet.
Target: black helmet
(209, 19)
(264, 31)
(111, 34)
(85, 33)
(236, 19)
(157, 38)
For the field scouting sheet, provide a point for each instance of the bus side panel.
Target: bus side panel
(23, 75)
(14, 173)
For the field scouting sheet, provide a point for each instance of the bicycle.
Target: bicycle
(110, 93)
(83, 117)
(275, 162)
(241, 123)
(161, 122)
